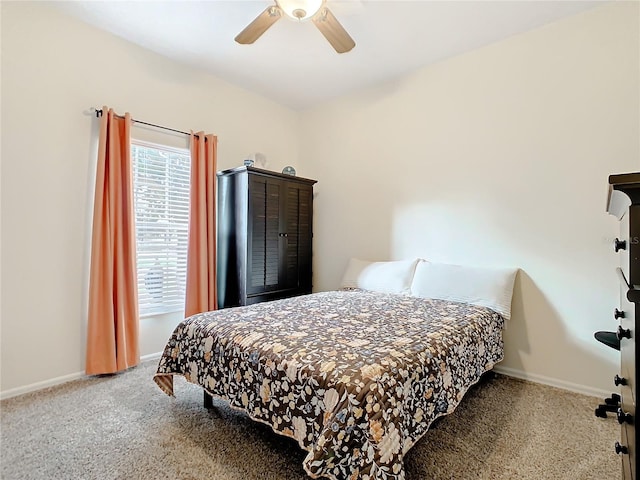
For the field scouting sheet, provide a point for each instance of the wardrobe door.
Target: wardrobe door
(263, 245)
(298, 235)
(305, 229)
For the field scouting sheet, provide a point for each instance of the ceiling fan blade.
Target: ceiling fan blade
(335, 33)
(255, 29)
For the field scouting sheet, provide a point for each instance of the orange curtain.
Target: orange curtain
(112, 334)
(201, 251)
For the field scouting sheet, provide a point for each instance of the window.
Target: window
(161, 203)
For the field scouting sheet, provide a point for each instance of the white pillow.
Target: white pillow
(487, 287)
(386, 277)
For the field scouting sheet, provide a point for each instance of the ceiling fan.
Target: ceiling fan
(301, 10)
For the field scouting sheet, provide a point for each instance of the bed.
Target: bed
(355, 376)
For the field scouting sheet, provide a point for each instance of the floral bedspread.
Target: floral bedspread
(355, 377)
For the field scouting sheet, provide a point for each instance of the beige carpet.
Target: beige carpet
(124, 427)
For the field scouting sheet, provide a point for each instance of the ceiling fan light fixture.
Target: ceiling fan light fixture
(300, 9)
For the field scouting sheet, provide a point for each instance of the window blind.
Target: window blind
(161, 202)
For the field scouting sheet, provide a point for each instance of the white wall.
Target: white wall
(496, 157)
(53, 69)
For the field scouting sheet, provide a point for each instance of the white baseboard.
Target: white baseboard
(510, 372)
(553, 382)
(52, 382)
(14, 392)
(151, 356)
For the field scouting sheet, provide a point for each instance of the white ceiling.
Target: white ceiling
(292, 63)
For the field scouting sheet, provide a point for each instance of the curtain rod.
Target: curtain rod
(99, 114)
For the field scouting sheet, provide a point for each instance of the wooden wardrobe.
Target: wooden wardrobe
(265, 233)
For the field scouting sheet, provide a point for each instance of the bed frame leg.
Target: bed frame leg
(208, 400)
